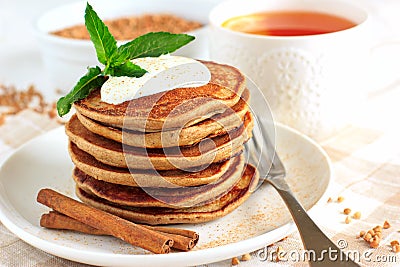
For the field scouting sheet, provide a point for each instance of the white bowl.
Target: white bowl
(66, 59)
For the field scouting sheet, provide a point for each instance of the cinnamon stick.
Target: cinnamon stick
(132, 233)
(176, 231)
(181, 242)
(56, 220)
(187, 238)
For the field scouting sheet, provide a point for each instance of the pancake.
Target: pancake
(216, 125)
(94, 168)
(112, 153)
(161, 197)
(153, 216)
(171, 109)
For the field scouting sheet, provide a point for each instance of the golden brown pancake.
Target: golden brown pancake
(161, 197)
(216, 125)
(147, 178)
(211, 211)
(171, 109)
(217, 149)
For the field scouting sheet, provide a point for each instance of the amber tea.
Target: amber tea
(288, 23)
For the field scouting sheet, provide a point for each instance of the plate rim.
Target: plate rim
(196, 256)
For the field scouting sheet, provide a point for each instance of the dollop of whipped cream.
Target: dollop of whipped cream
(163, 73)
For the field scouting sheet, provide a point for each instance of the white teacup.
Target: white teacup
(313, 83)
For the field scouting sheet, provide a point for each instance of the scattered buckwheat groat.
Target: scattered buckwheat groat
(347, 211)
(375, 242)
(374, 236)
(394, 242)
(395, 246)
(246, 257)
(362, 233)
(357, 215)
(13, 101)
(235, 261)
(386, 225)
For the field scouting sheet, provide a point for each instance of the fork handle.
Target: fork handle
(314, 240)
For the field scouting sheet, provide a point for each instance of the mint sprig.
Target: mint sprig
(127, 69)
(116, 60)
(85, 85)
(153, 44)
(104, 43)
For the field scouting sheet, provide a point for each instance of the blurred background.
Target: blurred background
(20, 61)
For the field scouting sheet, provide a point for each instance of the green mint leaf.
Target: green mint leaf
(104, 43)
(85, 85)
(152, 44)
(128, 69)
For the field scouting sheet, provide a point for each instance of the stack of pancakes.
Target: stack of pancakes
(171, 157)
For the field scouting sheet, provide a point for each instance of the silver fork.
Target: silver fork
(272, 170)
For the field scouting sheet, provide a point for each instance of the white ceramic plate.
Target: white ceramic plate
(261, 220)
